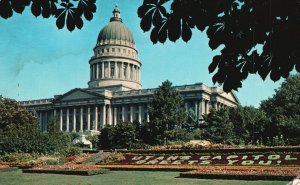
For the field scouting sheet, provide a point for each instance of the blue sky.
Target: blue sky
(46, 61)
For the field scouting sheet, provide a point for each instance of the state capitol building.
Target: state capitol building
(114, 92)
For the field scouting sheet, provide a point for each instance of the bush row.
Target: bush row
(236, 176)
(68, 172)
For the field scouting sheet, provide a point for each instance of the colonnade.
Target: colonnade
(115, 70)
(202, 106)
(93, 117)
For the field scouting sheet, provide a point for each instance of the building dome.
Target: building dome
(115, 61)
(115, 30)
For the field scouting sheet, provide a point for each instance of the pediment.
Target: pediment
(78, 94)
(231, 96)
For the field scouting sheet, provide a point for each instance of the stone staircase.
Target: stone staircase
(98, 157)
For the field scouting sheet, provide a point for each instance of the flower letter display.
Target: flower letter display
(239, 159)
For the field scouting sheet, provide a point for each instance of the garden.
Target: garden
(244, 143)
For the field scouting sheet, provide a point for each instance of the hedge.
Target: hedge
(68, 172)
(236, 177)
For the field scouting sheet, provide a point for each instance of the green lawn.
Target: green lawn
(117, 177)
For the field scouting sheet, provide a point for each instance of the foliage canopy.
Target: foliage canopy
(240, 27)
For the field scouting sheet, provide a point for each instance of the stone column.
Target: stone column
(207, 107)
(186, 106)
(122, 70)
(109, 115)
(68, 122)
(97, 71)
(109, 70)
(54, 113)
(115, 115)
(135, 77)
(140, 114)
(201, 109)
(41, 120)
(74, 119)
(116, 70)
(61, 120)
(148, 118)
(96, 117)
(46, 121)
(196, 110)
(102, 71)
(131, 113)
(89, 119)
(129, 71)
(81, 119)
(123, 113)
(139, 74)
(103, 121)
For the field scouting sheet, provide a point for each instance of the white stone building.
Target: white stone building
(114, 91)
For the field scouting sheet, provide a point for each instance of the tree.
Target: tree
(217, 127)
(284, 110)
(249, 124)
(69, 12)
(12, 113)
(125, 135)
(106, 137)
(240, 27)
(166, 112)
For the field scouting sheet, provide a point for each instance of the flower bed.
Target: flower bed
(224, 150)
(68, 169)
(243, 174)
(22, 165)
(190, 167)
(196, 160)
(7, 168)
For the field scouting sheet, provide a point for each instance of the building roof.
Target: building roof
(115, 30)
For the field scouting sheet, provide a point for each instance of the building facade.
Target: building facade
(114, 92)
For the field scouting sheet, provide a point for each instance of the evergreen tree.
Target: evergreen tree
(217, 127)
(166, 112)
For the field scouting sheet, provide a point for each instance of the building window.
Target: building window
(106, 70)
(113, 50)
(107, 49)
(119, 50)
(100, 70)
(131, 72)
(102, 50)
(124, 50)
(128, 51)
(119, 71)
(124, 70)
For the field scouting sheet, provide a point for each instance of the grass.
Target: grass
(118, 177)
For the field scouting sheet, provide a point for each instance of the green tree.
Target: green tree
(284, 110)
(125, 135)
(217, 127)
(166, 112)
(249, 124)
(12, 113)
(106, 137)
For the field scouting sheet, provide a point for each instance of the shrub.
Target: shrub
(73, 151)
(17, 157)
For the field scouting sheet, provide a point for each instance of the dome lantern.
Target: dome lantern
(117, 15)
